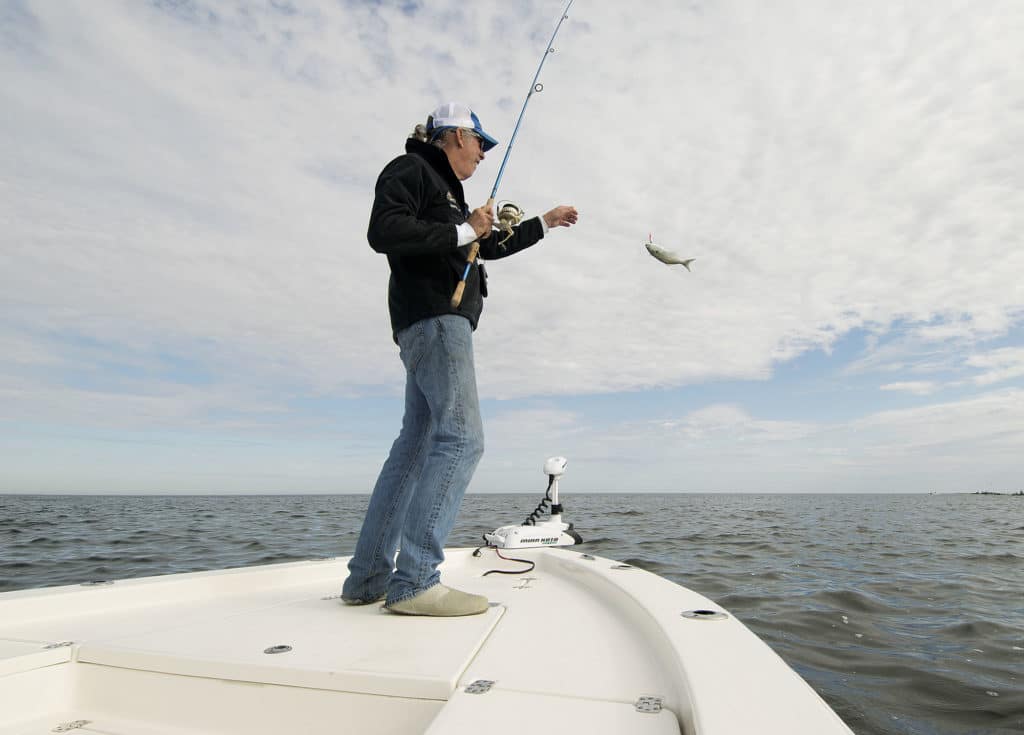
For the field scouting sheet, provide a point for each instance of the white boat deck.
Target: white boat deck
(576, 643)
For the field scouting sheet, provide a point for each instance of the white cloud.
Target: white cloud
(917, 387)
(211, 179)
(952, 446)
(733, 424)
(998, 365)
(958, 434)
(195, 180)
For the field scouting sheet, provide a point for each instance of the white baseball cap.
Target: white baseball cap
(455, 115)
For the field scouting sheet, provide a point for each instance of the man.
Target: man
(421, 222)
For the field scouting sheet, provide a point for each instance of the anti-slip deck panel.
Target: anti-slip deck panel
(317, 643)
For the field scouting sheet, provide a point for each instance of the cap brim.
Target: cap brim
(488, 141)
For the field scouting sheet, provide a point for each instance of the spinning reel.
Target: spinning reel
(509, 215)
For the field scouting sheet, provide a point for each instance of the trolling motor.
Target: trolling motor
(532, 532)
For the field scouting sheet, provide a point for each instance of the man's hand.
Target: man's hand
(562, 216)
(482, 221)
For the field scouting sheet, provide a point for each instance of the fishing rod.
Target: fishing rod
(535, 86)
(510, 214)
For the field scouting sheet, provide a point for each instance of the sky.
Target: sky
(188, 302)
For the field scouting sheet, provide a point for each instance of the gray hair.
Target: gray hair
(441, 138)
(420, 133)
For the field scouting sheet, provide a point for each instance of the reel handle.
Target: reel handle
(474, 250)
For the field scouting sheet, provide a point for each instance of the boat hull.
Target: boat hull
(578, 641)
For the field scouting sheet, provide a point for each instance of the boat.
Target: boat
(571, 642)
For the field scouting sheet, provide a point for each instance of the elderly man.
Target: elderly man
(421, 222)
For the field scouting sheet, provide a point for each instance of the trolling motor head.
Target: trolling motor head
(533, 532)
(555, 466)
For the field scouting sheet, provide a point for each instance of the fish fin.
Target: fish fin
(686, 263)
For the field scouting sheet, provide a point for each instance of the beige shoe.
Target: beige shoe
(441, 602)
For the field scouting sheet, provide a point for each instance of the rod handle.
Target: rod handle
(457, 296)
(474, 250)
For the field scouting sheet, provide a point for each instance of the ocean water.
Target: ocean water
(905, 612)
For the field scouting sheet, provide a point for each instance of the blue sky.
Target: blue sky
(188, 302)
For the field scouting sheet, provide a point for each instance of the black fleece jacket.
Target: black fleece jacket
(417, 203)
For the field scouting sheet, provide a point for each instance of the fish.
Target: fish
(666, 256)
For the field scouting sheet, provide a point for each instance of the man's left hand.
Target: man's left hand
(563, 216)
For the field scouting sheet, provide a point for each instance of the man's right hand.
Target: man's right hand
(482, 221)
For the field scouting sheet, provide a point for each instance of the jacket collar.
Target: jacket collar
(438, 161)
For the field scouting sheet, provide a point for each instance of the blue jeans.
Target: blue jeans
(420, 487)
